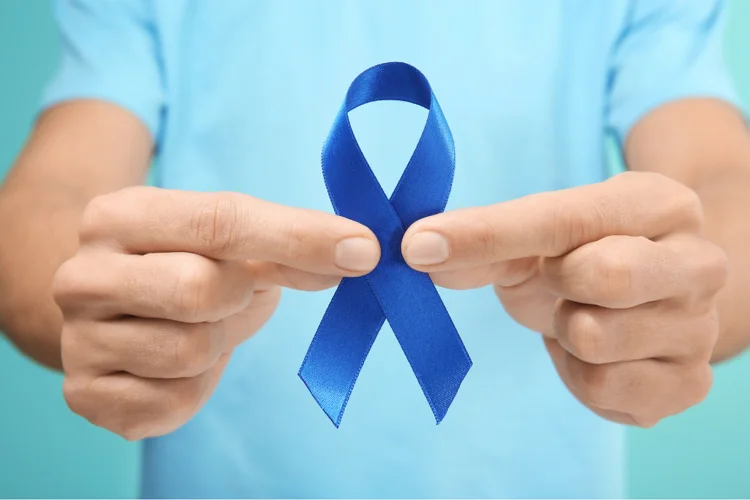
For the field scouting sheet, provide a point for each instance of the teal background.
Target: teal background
(46, 451)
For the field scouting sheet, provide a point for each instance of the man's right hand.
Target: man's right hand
(165, 284)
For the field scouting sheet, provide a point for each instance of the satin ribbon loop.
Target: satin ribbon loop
(393, 290)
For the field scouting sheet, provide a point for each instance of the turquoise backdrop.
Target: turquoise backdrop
(46, 451)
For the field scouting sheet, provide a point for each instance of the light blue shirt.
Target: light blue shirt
(239, 95)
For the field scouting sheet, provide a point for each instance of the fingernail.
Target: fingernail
(357, 254)
(427, 248)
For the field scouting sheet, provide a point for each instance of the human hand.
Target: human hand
(616, 276)
(165, 284)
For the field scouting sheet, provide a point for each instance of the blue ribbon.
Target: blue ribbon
(393, 290)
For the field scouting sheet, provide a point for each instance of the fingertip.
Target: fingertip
(418, 227)
(425, 248)
(357, 254)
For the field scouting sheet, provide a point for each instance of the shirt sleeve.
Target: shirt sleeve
(109, 51)
(668, 50)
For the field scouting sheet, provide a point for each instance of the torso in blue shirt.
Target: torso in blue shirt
(247, 92)
(256, 86)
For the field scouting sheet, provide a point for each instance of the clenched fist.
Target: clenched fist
(166, 284)
(616, 276)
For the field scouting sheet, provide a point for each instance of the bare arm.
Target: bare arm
(155, 287)
(77, 151)
(705, 145)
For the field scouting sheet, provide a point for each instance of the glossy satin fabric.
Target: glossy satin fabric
(393, 291)
(240, 95)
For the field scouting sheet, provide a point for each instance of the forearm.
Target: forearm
(39, 233)
(705, 145)
(726, 205)
(77, 151)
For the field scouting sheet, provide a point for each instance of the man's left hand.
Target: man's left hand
(616, 276)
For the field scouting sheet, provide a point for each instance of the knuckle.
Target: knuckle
(568, 231)
(193, 351)
(612, 275)
(486, 241)
(676, 199)
(84, 400)
(698, 383)
(298, 240)
(72, 282)
(105, 211)
(66, 281)
(708, 272)
(83, 281)
(646, 421)
(706, 333)
(216, 221)
(186, 396)
(191, 295)
(714, 269)
(596, 381)
(572, 227)
(682, 202)
(118, 407)
(132, 427)
(133, 432)
(142, 418)
(98, 215)
(70, 346)
(77, 395)
(688, 204)
(134, 419)
(585, 337)
(634, 178)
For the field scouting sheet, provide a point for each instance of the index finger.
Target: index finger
(230, 226)
(553, 223)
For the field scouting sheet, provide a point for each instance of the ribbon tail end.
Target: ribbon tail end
(333, 412)
(440, 406)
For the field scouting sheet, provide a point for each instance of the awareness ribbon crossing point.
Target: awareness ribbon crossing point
(393, 290)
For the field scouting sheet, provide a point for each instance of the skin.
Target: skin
(627, 280)
(141, 294)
